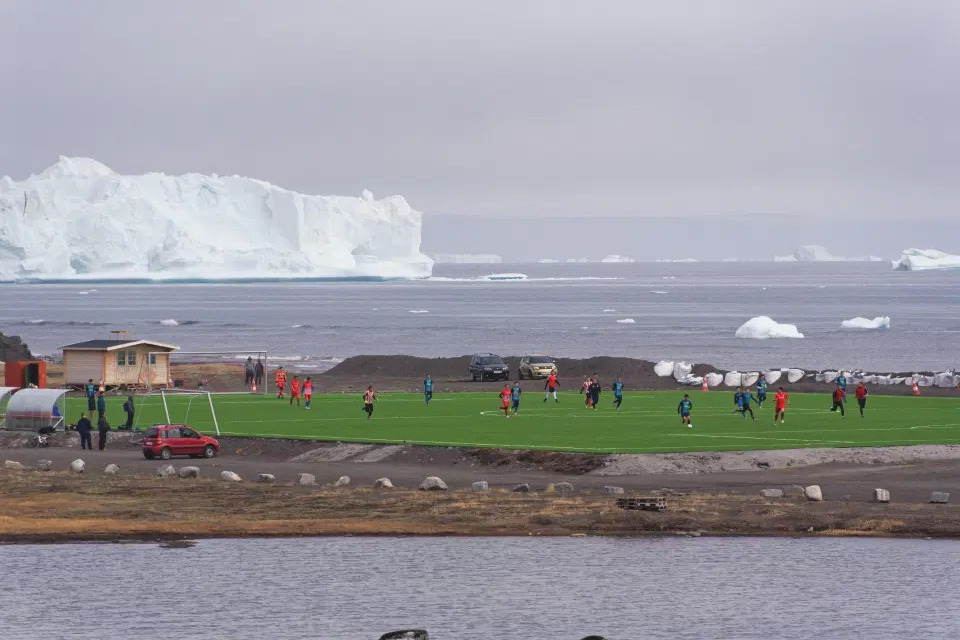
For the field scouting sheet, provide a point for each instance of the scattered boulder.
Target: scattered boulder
(78, 465)
(189, 472)
(940, 497)
(771, 493)
(521, 488)
(480, 485)
(266, 477)
(881, 495)
(796, 490)
(433, 483)
(560, 487)
(342, 481)
(166, 470)
(813, 493)
(230, 476)
(406, 634)
(305, 479)
(112, 470)
(382, 483)
(44, 465)
(613, 491)
(13, 465)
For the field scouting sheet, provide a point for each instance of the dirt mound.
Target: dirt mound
(401, 367)
(570, 463)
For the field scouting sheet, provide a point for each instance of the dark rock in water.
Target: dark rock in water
(594, 638)
(178, 544)
(13, 349)
(406, 634)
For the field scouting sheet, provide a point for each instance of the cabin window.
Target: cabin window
(121, 358)
(153, 358)
(131, 358)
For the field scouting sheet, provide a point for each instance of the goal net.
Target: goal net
(216, 371)
(178, 406)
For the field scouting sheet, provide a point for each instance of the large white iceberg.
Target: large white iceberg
(924, 259)
(763, 327)
(880, 322)
(80, 219)
(617, 258)
(818, 253)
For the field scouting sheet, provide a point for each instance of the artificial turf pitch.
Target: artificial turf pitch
(646, 423)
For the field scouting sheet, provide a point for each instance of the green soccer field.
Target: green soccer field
(647, 421)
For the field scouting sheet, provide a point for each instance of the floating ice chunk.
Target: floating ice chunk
(419, 311)
(615, 258)
(169, 322)
(764, 327)
(609, 310)
(880, 322)
(626, 321)
(925, 259)
(504, 276)
(659, 292)
(664, 368)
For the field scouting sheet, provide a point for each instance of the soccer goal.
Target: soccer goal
(244, 371)
(178, 406)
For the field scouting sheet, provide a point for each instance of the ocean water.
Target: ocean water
(484, 588)
(679, 311)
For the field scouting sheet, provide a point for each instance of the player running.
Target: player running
(281, 380)
(617, 392)
(428, 389)
(842, 383)
(369, 397)
(761, 390)
(780, 402)
(585, 390)
(684, 409)
(745, 398)
(861, 393)
(307, 392)
(551, 386)
(505, 395)
(515, 397)
(295, 390)
(595, 390)
(838, 397)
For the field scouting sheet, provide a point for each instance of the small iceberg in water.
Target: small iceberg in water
(880, 322)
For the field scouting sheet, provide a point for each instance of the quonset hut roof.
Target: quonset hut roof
(31, 409)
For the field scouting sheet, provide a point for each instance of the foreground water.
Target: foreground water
(679, 311)
(484, 588)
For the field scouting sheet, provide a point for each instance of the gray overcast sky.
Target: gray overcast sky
(514, 108)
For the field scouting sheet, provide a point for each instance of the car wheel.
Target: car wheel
(209, 451)
(166, 453)
(474, 376)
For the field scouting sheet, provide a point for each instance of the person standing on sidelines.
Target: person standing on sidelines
(684, 409)
(91, 391)
(761, 390)
(258, 374)
(103, 428)
(838, 397)
(281, 381)
(295, 390)
(85, 428)
(307, 392)
(505, 395)
(369, 397)
(861, 393)
(780, 400)
(617, 392)
(551, 386)
(101, 405)
(129, 409)
(515, 397)
(427, 389)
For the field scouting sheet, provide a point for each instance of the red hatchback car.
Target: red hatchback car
(167, 440)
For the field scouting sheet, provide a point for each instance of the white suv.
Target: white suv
(536, 365)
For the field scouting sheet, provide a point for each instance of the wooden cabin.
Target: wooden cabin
(118, 363)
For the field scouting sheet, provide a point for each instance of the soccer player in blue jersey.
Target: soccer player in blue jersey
(842, 383)
(428, 389)
(761, 390)
(515, 397)
(745, 398)
(684, 409)
(618, 393)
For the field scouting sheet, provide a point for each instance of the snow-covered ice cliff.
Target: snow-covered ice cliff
(925, 259)
(80, 219)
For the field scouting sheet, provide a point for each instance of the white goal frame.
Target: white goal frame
(188, 392)
(237, 352)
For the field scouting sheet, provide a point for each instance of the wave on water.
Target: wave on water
(626, 321)
(63, 323)
(301, 326)
(519, 277)
(658, 292)
(171, 322)
(419, 311)
(609, 310)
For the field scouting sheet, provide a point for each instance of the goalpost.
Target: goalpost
(234, 362)
(194, 395)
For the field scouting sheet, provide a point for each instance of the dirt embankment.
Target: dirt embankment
(45, 507)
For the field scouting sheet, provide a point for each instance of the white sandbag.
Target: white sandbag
(714, 379)
(826, 376)
(663, 368)
(926, 381)
(733, 379)
(945, 379)
(772, 376)
(681, 370)
(750, 379)
(794, 375)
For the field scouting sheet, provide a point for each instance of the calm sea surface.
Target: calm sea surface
(484, 588)
(680, 311)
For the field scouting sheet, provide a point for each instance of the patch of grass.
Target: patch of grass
(647, 423)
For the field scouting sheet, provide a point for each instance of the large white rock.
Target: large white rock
(44, 465)
(189, 472)
(480, 485)
(165, 470)
(764, 327)
(382, 483)
(266, 477)
(230, 476)
(940, 497)
(433, 483)
(13, 465)
(794, 375)
(925, 259)
(306, 479)
(813, 493)
(111, 470)
(881, 495)
(664, 368)
(81, 219)
(771, 493)
(342, 481)
(78, 466)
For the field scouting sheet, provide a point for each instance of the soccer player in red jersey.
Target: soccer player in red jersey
(368, 399)
(551, 386)
(281, 380)
(505, 396)
(307, 392)
(838, 398)
(862, 394)
(780, 400)
(295, 390)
